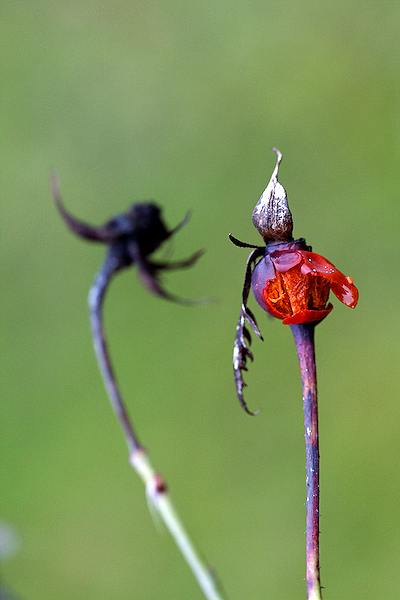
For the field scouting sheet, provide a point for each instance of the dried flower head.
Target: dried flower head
(271, 214)
(131, 238)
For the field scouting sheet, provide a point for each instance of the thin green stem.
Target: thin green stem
(159, 498)
(304, 340)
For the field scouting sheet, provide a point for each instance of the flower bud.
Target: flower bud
(271, 215)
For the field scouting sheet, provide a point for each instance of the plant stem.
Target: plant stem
(304, 340)
(156, 489)
(96, 297)
(157, 494)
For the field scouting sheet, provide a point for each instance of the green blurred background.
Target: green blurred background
(180, 102)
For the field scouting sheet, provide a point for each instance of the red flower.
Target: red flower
(293, 284)
(288, 280)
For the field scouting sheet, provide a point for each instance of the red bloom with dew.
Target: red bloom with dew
(288, 280)
(293, 284)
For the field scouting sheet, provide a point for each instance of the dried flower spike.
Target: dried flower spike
(131, 237)
(289, 281)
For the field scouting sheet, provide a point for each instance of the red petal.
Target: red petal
(345, 291)
(341, 286)
(306, 316)
(316, 264)
(284, 260)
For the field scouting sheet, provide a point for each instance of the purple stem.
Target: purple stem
(304, 340)
(96, 296)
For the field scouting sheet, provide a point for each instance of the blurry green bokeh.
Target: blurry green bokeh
(180, 102)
